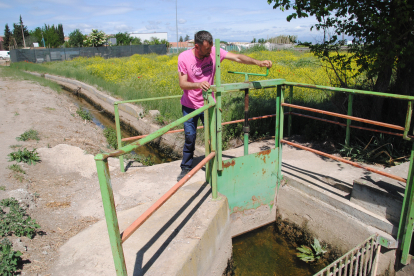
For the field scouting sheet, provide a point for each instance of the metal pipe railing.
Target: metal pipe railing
(345, 125)
(345, 116)
(158, 133)
(147, 214)
(345, 161)
(200, 127)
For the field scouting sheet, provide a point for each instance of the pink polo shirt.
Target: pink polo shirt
(197, 71)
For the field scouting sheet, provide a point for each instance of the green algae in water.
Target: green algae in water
(263, 252)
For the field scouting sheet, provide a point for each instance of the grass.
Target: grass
(30, 134)
(84, 114)
(16, 168)
(17, 74)
(110, 135)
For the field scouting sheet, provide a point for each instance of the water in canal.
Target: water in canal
(103, 122)
(264, 252)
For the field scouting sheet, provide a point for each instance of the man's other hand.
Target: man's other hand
(265, 63)
(204, 85)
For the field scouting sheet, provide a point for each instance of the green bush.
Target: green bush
(9, 259)
(84, 114)
(29, 135)
(25, 155)
(15, 220)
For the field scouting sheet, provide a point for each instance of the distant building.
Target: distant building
(147, 36)
(1, 44)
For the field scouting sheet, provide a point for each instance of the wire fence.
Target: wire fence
(60, 54)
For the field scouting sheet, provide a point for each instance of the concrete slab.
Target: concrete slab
(188, 235)
(383, 196)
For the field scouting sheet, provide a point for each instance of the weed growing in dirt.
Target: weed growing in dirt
(16, 168)
(110, 135)
(30, 134)
(15, 146)
(84, 114)
(25, 155)
(9, 258)
(2, 188)
(14, 220)
(16, 114)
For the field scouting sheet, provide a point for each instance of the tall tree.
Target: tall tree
(187, 38)
(123, 38)
(383, 41)
(76, 38)
(61, 33)
(95, 39)
(7, 35)
(181, 39)
(19, 30)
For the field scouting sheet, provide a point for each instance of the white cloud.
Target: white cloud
(4, 6)
(182, 21)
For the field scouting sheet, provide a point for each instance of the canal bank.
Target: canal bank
(131, 116)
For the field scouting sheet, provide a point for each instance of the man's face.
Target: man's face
(204, 50)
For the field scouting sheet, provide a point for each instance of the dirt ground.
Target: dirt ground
(58, 190)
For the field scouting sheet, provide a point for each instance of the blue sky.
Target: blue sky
(228, 20)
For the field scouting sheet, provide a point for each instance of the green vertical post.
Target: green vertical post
(277, 133)
(218, 107)
(118, 136)
(246, 128)
(348, 122)
(213, 131)
(281, 124)
(405, 228)
(207, 140)
(110, 214)
(290, 110)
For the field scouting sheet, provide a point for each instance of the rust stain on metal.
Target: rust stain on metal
(264, 171)
(254, 198)
(229, 164)
(264, 153)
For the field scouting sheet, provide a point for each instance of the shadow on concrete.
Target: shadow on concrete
(339, 184)
(139, 269)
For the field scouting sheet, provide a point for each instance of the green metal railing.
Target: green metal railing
(233, 177)
(361, 260)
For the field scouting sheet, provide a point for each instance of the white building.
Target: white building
(147, 36)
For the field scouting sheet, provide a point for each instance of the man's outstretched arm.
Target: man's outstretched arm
(186, 85)
(248, 60)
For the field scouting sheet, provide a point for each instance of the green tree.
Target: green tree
(18, 33)
(123, 39)
(95, 39)
(51, 36)
(61, 33)
(181, 39)
(76, 38)
(7, 35)
(187, 37)
(136, 41)
(383, 41)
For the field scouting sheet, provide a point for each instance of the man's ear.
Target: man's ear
(197, 46)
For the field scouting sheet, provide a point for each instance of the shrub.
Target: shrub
(25, 155)
(110, 135)
(15, 220)
(9, 258)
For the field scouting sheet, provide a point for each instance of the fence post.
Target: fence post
(277, 133)
(290, 110)
(405, 228)
(119, 136)
(207, 140)
(213, 131)
(348, 122)
(110, 214)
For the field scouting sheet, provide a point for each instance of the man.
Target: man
(196, 69)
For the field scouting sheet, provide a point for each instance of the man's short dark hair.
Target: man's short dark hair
(200, 36)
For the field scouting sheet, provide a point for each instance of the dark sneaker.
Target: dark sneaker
(183, 173)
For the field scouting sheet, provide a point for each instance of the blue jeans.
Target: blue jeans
(190, 128)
